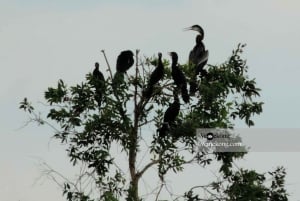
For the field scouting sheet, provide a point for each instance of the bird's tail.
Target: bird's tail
(117, 80)
(163, 130)
(184, 94)
(98, 97)
(193, 87)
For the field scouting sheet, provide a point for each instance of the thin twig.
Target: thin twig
(146, 122)
(109, 69)
(160, 188)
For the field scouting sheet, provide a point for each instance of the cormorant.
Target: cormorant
(97, 75)
(198, 57)
(179, 77)
(155, 76)
(125, 61)
(170, 116)
(98, 82)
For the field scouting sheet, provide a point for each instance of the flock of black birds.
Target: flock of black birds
(197, 59)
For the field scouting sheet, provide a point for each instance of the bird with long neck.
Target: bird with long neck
(179, 77)
(155, 77)
(198, 53)
(198, 56)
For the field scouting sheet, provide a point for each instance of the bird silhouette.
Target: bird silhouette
(170, 116)
(97, 75)
(198, 57)
(155, 77)
(99, 83)
(179, 77)
(125, 61)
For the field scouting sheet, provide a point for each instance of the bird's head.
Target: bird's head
(197, 28)
(126, 54)
(97, 65)
(159, 55)
(174, 56)
(129, 53)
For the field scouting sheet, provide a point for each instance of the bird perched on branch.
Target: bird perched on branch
(198, 56)
(97, 75)
(155, 76)
(170, 116)
(179, 77)
(125, 61)
(99, 83)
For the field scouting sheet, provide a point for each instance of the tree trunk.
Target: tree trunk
(133, 190)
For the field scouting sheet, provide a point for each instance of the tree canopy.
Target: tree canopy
(91, 129)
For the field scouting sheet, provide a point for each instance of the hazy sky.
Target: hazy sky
(43, 41)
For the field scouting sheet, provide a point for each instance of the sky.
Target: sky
(43, 41)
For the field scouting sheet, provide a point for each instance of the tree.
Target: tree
(91, 130)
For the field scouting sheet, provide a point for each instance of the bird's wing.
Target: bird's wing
(204, 57)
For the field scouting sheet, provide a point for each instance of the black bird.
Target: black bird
(196, 54)
(98, 82)
(125, 61)
(170, 116)
(198, 57)
(97, 75)
(179, 77)
(155, 76)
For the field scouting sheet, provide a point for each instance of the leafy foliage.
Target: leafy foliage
(90, 130)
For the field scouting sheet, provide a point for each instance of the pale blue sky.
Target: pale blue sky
(43, 41)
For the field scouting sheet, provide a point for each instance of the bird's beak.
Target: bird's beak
(169, 53)
(187, 29)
